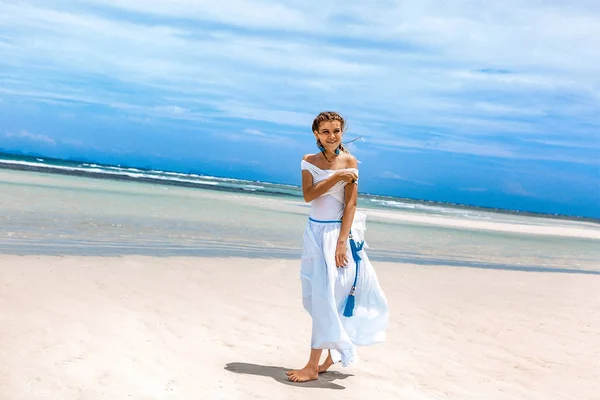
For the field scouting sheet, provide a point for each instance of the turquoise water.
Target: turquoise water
(124, 173)
(43, 213)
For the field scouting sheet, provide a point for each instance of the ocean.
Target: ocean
(56, 207)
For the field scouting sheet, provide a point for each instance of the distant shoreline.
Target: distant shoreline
(57, 170)
(101, 175)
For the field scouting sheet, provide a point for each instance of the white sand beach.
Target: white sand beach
(545, 227)
(140, 327)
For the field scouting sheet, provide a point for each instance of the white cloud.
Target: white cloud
(474, 70)
(283, 117)
(254, 132)
(462, 147)
(258, 14)
(576, 143)
(34, 137)
(516, 188)
(484, 149)
(171, 109)
(255, 135)
(397, 177)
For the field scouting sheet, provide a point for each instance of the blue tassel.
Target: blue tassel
(349, 309)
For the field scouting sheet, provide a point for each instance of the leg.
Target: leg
(327, 363)
(310, 371)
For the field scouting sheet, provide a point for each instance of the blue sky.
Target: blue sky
(460, 101)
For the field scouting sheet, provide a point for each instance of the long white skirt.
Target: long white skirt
(325, 290)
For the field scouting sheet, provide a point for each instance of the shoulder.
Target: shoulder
(349, 160)
(307, 163)
(309, 157)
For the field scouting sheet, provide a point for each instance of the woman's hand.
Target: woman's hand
(341, 258)
(346, 175)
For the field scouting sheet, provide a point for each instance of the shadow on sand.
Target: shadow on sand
(325, 380)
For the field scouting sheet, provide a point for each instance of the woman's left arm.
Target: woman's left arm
(351, 195)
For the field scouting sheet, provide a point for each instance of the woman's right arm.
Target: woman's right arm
(311, 191)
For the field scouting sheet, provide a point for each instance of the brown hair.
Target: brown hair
(330, 116)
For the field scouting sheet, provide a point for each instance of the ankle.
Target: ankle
(311, 367)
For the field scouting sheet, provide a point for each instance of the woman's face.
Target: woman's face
(330, 134)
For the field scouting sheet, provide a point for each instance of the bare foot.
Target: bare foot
(303, 375)
(326, 364)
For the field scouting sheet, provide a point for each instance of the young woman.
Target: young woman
(340, 289)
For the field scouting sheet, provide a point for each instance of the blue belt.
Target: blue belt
(325, 222)
(349, 308)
